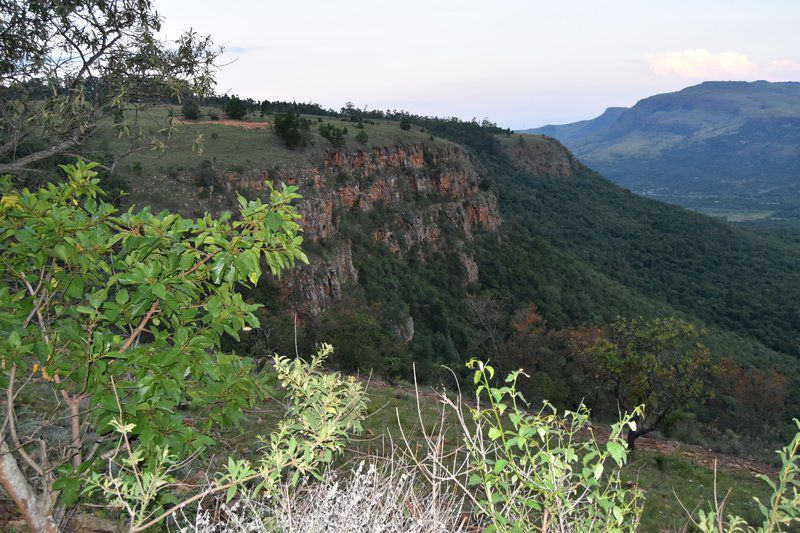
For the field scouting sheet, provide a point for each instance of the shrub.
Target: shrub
(213, 116)
(533, 471)
(99, 309)
(362, 137)
(321, 410)
(386, 497)
(405, 124)
(190, 110)
(334, 134)
(291, 128)
(206, 175)
(235, 108)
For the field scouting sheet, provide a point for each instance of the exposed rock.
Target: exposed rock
(405, 329)
(310, 288)
(432, 184)
(543, 156)
(470, 265)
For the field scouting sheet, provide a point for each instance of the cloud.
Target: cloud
(700, 63)
(784, 65)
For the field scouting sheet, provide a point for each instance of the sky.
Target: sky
(518, 63)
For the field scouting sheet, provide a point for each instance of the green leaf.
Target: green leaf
(75, 288)
(495, 433)
(617, 451)
(122, 297)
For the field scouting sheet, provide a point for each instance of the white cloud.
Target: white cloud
(784, 65)
(700, 63)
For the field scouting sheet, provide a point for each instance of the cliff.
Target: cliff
(419, 189)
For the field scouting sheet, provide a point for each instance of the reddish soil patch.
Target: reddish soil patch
(228, 122)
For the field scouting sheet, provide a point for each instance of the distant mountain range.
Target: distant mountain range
(727, 146)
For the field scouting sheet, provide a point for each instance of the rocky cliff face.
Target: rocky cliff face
(542, 156)
(425, 187)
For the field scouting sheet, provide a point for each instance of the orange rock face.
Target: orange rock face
(425, 186)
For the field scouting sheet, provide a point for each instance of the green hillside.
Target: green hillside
(730, 147)
(579, 248)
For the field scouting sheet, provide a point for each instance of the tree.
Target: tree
(106, 315)
(235, 108)
(290, 128)
(660, 363)
(405, 123)
(334, 134)
(67, 66)
(190, 110)
(362, 137)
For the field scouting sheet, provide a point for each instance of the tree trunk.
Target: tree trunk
(635, 434)
(36, 511)
(631, 437)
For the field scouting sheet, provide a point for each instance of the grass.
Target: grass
(664, 478)
(737, 215)
(233, 148)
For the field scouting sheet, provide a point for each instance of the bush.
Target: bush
(362, 137)
(206, 175)
(291, 129)
(533, 471)
(405, 124)
(190, 110)
(235, 108)
(334, 134)
(389, 496)
(131, 301)
(213, 116)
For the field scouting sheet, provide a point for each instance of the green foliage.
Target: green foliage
(405, 123)
(322, 409)
(235, 108)
(190, 110)
(365, 337)
(53, 58)
(532, 471)
(334, 134)
(290, 128)
(92, 302)
(362, 137)
(660, 363)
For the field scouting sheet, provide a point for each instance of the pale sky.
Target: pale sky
(518, 63)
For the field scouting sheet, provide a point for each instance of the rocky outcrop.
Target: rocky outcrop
(470, 266)
(310, 288)
(426, 186)
(542, 156)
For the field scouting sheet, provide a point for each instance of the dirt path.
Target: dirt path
(228, 122)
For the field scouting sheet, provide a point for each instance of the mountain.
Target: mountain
(427, 245)
(716, 146)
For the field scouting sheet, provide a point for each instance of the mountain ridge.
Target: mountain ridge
(711, 144)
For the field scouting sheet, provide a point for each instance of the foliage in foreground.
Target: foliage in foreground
(102, 314)
(528, 470)
(321, 410)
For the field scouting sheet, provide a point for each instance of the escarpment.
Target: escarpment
(415, 199)
(542, 156)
